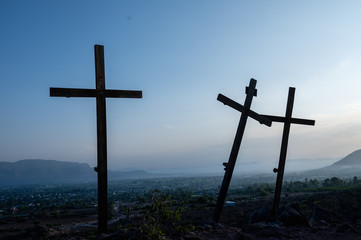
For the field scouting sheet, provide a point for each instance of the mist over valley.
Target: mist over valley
(38, 171)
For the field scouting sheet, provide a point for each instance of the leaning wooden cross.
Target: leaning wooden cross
(287, 120)
(229, 167)
(100, 93)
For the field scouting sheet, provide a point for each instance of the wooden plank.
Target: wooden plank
(255, 91)
(283, 153)
(79, 92)
(72, 92)
(293, 120)
(102, 168)
(123, 94)
(235, 105)
(234, 152)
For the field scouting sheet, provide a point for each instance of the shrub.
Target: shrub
(163, 216)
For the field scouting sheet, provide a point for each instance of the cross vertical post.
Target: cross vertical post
(287, 120)
(229, 167)
(102, 167)
(100, 93)
(283, 153)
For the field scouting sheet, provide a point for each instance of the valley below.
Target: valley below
(182, 208)
(47, 199)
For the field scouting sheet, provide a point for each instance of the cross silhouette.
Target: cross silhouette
(229, 167)
(287, 120)
(100, 93)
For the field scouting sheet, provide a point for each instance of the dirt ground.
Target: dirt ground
(338, 217)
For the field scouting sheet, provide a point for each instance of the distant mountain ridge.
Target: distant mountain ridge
(351, 160)
(347, 166)
(38, 171)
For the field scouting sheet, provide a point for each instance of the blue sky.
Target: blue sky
(181, 54)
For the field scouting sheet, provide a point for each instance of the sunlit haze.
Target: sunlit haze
(181, 54)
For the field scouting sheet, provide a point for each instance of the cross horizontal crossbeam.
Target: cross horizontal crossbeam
(235, 105)
(262, 118)
(79, 92)
(292, 120)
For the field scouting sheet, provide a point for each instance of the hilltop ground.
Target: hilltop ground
(311, 209)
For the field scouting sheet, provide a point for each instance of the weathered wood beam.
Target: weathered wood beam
(293, 120)
(79, 92)
(235, 105)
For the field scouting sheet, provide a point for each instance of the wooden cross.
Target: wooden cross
(100, 93)
(287, 120)
(229, 167)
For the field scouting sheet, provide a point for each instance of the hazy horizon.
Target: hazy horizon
(292, 165)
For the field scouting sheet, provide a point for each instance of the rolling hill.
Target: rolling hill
(346, 167)
(350, 161)
(37, 171)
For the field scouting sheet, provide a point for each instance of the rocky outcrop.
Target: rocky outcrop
(323, 217)
(292, 215)
(287, 215)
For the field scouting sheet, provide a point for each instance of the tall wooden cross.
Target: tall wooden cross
(100, 93)
(287, 120)
(229, 167)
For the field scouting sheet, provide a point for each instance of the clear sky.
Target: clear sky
(181, 54)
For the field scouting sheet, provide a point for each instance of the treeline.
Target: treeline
(193, 190)
(308, 185)
(333, 183)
